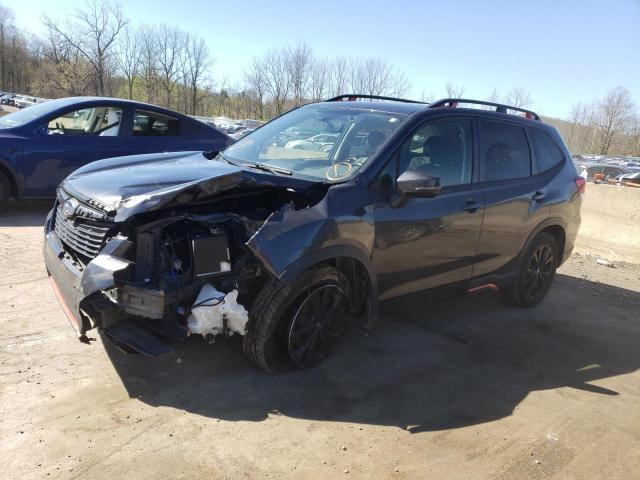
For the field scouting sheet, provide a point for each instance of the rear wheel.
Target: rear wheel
(298, 324)
(536, 273)
(5, 190)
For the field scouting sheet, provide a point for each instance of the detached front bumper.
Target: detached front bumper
(79, 291)
(65, 275)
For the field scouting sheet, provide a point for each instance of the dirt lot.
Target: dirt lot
(460, 387)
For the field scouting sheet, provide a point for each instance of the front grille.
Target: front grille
(81, 236)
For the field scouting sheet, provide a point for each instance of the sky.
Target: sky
(563, 52)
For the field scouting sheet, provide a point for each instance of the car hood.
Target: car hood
(130, 185)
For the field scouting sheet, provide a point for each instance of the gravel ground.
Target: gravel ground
(455, 387)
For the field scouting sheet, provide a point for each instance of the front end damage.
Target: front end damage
(189, 263)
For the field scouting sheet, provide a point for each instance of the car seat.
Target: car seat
(113, 121)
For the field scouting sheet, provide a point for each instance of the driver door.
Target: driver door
(421, 243)
(68, 142)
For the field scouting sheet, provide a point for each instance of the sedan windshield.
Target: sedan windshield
(24, 116)
(324, 142)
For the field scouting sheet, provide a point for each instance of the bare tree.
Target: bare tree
(169, 44)
(427, 97)
(148, 64)
(615, 111)
(319, 79)
(373, 76)
(494, 97)
(519, 97)
(92, 31)
(255, 80)
(274, 67)
(576, 118)
(198, 62)
(298, 62)
(65, 72)
(338, 76)
(129, 55)
(454, 91)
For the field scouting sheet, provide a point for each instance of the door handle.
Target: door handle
(539, 195)
(471, 206)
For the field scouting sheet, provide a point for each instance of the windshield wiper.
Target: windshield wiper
(268, 168)
(230, 162)
(257, 165)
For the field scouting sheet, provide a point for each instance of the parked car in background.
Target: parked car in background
(286, 246)
(7, 99)
(604, 173)
(42, 144)
(238, 135)
(633, 177)
(322, 141)
(25, 101)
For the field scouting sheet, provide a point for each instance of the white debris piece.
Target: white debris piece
(235, 314)
(212, 309)
(606, 263)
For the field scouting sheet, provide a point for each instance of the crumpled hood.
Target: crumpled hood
(140, 183)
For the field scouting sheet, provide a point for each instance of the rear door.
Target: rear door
(515, 200)
(66, 142)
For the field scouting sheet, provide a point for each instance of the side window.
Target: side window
(442, 148)
(154, 124)
(96, 121)
(504, 151)
(547, 153)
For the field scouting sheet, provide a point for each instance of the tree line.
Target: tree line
(607, 126)
(98, 51)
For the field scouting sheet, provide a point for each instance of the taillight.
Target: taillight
(581, 184)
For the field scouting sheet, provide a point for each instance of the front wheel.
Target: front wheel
(298, 324)
(536, 274)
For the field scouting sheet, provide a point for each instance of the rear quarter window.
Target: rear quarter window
(545, 150)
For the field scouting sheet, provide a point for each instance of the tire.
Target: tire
(279, 320)
(5, 190)
(537, 271)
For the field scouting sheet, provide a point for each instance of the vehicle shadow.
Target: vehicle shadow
(25, 213)
(430, 364)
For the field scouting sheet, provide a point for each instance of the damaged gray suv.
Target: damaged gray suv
(310, 221)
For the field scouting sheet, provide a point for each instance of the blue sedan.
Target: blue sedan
(42, 144)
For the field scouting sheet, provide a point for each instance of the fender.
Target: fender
(332, 252)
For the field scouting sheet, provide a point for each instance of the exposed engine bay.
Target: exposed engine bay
(179, 270)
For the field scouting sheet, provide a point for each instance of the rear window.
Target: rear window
(505, 151)
(547, 153)
(154, 124)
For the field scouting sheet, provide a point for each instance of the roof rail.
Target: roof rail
(352, 97)
(500, 108)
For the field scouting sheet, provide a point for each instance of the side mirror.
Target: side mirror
(414, 183)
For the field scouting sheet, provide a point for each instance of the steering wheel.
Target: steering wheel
(58, 131)
(334, 173)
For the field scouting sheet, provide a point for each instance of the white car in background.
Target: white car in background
(22, 101)
(320, 142)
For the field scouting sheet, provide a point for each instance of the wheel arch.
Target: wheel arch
(11, 177)
(554, 227)
(351, 261)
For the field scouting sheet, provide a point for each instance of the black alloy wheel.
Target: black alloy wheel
(539, 273)
(318, 324)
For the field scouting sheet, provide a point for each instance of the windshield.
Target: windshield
(24, 116)
(325, 142)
